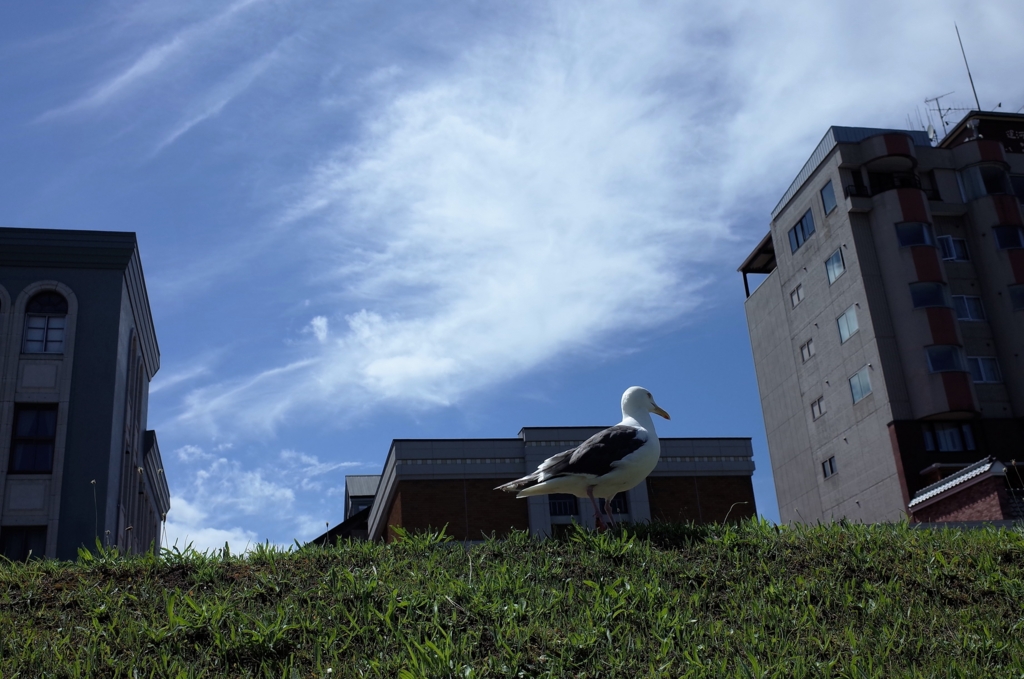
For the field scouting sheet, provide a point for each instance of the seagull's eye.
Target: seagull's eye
(649, 396)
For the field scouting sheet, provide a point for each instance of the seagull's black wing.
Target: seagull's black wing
(596, 454)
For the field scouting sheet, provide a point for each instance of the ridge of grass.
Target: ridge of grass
(746, 600)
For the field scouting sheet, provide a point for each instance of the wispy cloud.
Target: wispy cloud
(518, 207)
(152, 60)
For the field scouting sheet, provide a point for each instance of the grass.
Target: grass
(748, 600)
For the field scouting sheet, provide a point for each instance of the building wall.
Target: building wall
(983, 501)
(701, 499)
(468, 509)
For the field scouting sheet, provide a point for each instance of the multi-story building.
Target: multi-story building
(77, 353)
(888, 336)
(436, 483)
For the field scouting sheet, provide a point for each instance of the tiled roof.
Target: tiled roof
(966, 474)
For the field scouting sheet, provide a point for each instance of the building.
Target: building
(77, 353)
(888, 335)
(449, 483)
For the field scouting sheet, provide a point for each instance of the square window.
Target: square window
(807, 350)
(835, 266)
(984, 369)
(847, 324)
(828, 467)
(915, 233)
(944, 358)
(818, 407)
(828, 197)
(561, 504)
(953, 249)
(1008, 237)
(928, 295)
(33, 439)
(797, 295)
(968, 308)
(19, 543)
(860, 384)
(1017, 297)
(947, 436)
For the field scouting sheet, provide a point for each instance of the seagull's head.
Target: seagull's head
(638, 399)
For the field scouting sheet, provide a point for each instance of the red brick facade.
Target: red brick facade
(468, 509)
(701, 499)
(983, 501)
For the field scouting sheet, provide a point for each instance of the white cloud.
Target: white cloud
(318, 326)
(191, 453)
(187, 525)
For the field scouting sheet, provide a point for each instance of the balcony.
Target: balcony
(887, 182)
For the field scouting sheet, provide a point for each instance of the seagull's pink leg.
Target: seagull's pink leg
(597, 512)
(608, 510)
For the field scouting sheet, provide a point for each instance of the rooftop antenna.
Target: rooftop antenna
(938, 109)
(969, 77)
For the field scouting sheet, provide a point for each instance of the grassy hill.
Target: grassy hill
(750, 600)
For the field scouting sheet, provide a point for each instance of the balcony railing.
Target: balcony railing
(887, 182)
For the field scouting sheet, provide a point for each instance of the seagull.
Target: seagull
(607, 463)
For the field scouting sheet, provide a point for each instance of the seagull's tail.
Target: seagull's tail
(518, 484)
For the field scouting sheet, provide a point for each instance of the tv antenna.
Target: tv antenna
(969, 77)
(938, 109)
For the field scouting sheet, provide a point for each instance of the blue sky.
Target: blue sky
(363, 221)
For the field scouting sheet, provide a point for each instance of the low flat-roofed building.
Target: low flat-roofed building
(449, 483)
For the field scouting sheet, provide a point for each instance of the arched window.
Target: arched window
(45, 318)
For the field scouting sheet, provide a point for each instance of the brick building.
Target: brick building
(888, 335)
(432, 483)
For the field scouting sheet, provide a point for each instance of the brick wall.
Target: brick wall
(701, 499)
(983, 501)
(470, 508)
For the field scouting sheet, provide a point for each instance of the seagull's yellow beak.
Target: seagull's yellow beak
(658, 411)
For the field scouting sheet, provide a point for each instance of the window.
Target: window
(1017, 297)
(953, 249)
(619, 504)
(968, 308)
(860, 384)
(847, 324)
(828, 197)
(19, 543)
(799, 234)
(828, 467)
(1009, 237)
(944, 358)
(984, 180)
(928, 294)
(797, 295)
(45, 316)
(1017, 184)
(807, 350)
(818, 407)
(835, 266)
(947, 436)
(984, 369)
(915, 233)
(562, 504)
(32, 443)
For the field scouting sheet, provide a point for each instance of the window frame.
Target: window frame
(847, 315)
(809, 353)
(934, 356)
(925, 285)
(905, 232)
(800, 233)
(824, 203)
(796, 295)
(938, 435)
(818, 407)
(1002, 235)
(993, 374)
(862, 379)
(829, 467)
(948, 247)
(830, 270)
(963, 303)
(16, 465)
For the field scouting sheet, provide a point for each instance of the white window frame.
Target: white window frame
(969, 308)
(818, 407)
(948, 245)
(986, 368)
(833, 268)
(847, 323)
(797, 295)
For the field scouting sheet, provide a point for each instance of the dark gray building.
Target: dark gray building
(77, 353)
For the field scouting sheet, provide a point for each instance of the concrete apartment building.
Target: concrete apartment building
(431, 483)
(77, 353)
(888, 336)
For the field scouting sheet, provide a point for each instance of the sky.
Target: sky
(363, 221)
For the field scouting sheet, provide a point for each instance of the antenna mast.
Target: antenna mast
(938, 109)
(969, 77)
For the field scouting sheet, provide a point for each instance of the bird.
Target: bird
(609, 462)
